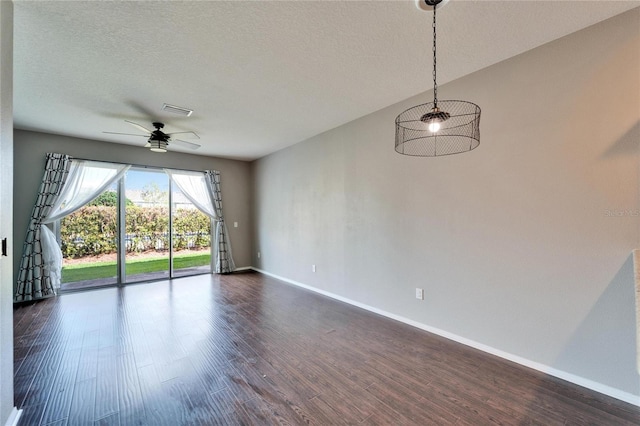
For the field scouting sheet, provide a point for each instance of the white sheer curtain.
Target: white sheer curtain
(194, 187)
(86, 180)
(203, 190)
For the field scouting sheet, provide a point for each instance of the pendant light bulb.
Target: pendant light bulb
(433, 119)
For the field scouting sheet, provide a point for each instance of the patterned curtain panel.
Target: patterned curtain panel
(222, 249)
(34, 281)
(85, 181)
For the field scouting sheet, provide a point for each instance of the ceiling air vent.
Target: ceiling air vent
(177, 110)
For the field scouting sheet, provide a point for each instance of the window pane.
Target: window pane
(191, 237)
(146, 225)
(89, 243)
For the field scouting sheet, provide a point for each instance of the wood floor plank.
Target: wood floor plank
(34, 317)
(246, 349)
(61, 422)
(241, 388)
(106, 383)
(275, 393)
(22, 346)
(88, 364)
(180, 405)
(32, 360)
(82, 407)
(21, 385)
(59, 401)
(130, 402)
(159, 408)
(354, 401)
(295, 383)
(32, 414)
(43, 380)
(218, 408)
(419, 410)
(110, 420)
(262, 412)
(41, 335)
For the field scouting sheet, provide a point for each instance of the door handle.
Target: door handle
(4, 246)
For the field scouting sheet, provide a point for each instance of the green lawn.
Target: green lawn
(90, 271)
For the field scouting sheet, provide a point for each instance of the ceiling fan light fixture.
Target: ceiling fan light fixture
(158, 145)
(158, 141)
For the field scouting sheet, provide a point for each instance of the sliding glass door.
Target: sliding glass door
(191, 236)
(142, 228)
(147, 244)
(89, 243)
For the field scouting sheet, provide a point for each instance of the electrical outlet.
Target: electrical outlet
(258, 255)
(235, 224)
(419, 293)
(313, 268)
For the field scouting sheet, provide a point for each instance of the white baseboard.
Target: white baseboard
(244, 268)
(14, 417)
(569, 377)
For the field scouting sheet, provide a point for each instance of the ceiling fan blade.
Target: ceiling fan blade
(185, 144)
(144, 129)
(126, 134)
(191, 135)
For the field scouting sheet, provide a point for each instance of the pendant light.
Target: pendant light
(440, 127)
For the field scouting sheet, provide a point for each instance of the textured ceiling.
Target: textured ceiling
(260, 75)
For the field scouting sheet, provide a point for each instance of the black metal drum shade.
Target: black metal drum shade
(460, 132)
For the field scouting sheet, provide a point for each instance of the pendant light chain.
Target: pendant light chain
(438, 128)
(435, 85)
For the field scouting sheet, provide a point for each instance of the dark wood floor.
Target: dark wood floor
(247, 349)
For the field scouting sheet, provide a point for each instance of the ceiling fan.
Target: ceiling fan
(158, 141)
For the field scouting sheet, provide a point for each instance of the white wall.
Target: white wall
(6, 231)
(522, 245)
(31, 148)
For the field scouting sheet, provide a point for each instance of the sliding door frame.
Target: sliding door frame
(122, 231)
(121, 235)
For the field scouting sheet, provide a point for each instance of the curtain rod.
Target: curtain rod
(139, 165)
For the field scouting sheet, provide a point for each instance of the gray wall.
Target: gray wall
(31, 147)
(6, 183)
(522, 245)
